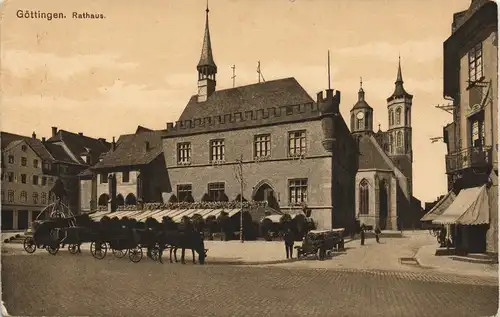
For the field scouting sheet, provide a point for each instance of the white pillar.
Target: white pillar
(14, 219)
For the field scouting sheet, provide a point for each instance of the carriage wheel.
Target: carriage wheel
(29, 245)
(73, 248)
(53, 249)
(155, 253)
(135, 254)
(119, 253)
(98, 253)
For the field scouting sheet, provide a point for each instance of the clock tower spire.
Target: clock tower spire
(361, 114)
(206, 66)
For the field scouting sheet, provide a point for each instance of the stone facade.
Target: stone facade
(25, 185)
(471, 82)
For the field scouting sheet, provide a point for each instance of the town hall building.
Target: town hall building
(293, 150)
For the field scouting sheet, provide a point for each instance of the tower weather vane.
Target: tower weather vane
(234, 75)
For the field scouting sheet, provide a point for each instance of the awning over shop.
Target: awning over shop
(440, 207)
(470, 207)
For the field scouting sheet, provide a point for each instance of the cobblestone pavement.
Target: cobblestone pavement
(81, 285)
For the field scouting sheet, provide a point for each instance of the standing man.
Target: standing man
(289, 240)
(377, 234)
(362, 234)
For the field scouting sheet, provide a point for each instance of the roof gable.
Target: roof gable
(78, 144)
(131, 150)
(370, 157)
(35, 144)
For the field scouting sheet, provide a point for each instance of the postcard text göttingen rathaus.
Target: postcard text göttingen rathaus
(49, 16)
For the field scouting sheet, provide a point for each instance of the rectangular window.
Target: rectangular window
(184, 153)
(35, 198)
(262, 145)
(104, 178)
(125, 177)
(216, 191)
(24, 196)
(476, 123)
(10, 176)
(3, 195)
(184, 191)
(297, 143)
(35, 163)
(11, 159)
(217, 150)
(44, 180)
(298, 191)
(46, 166)
(476, 63)
(23, 178)
(10, 196)
(360, 124)
(44, 198)
(24, 161)
(35, 180)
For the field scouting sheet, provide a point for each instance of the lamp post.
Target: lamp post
(238, 174)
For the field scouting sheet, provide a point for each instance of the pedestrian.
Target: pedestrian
(362, 234)
(377, 234)
(289, 240)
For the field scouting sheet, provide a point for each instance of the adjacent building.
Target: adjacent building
(471, 85)
(27, 179)
(130, 174)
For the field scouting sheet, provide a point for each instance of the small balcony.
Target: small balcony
(474, 157)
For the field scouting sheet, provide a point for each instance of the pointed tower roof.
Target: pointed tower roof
(361, 104)
(206, 58)
(399, 90)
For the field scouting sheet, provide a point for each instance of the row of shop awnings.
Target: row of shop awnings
(175, 214)
(469, 207)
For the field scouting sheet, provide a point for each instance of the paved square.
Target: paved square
(41, 284)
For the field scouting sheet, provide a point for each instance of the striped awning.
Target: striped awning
(440, 207)
(471, 207)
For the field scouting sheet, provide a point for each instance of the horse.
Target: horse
(184, 240)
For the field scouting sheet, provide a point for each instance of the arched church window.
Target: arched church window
(367, 121)
(391, 144)
(360, 124)
(398, 116)
(391, 117)
(399, 140)
(363, 197)
(407, 117)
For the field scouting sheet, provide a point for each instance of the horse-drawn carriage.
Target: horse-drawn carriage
(321, 243)
(52, 232)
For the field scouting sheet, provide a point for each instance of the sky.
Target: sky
(137, 66)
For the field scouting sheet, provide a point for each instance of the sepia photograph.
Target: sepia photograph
(249, 158)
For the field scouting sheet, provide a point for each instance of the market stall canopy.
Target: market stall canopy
(470, 207)
(440, 207)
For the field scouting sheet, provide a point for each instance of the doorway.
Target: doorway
(266, 193)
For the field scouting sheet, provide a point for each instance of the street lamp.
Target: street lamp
(238, 174)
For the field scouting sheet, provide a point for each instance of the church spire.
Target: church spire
(399, 90)
(399, 78)
(361, 92)
(206, 58)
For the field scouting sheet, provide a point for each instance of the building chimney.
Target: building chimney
(80, 133)
(54, 131)
(113, 144)
(33, 135)
(43, 139)
(147, 146)
(103, 140)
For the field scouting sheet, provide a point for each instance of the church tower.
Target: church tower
(399, 110)
(206, 66)
(361, 115)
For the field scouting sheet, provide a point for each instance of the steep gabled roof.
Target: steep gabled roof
(371, 156)
(140, 129)
(35, 144)
(131, 150)
(274, 93)
(59, 153)
(77, 144)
